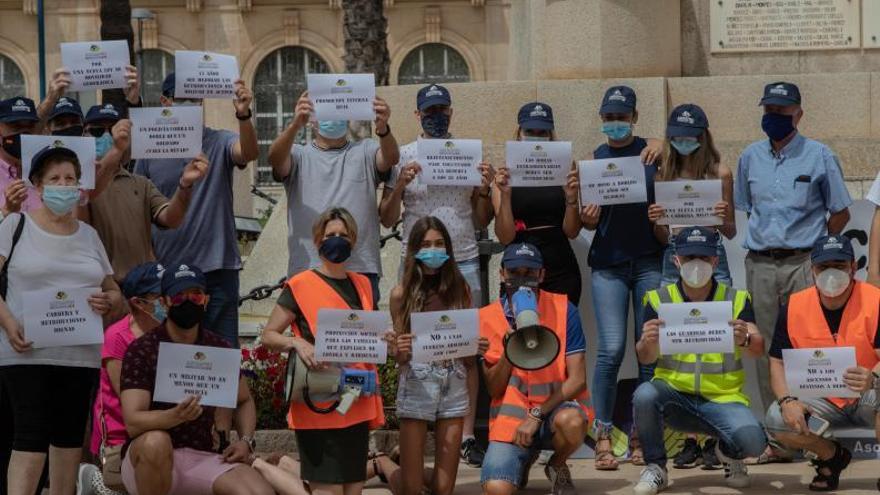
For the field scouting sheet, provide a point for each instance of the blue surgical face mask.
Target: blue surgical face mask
(333, 129)
(435, 125)
(777, 126)
(103, 145)
(60, 199)
(526, 137)
(159, 311)
(433, 258)
(617, 130)
(684, 146)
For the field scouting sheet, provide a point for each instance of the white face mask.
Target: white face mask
(696, 273)
(832, 282)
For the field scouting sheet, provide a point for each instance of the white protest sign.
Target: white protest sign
(439, 335)
(95, 64)
(84, 147)
(689, 202)
(696, 328)
(166, 132)
(210, 373)
(613, 181)
(204, 75)
(450, 162)
(350, 336)
(61, 317)
(342, 96)
(818, 372)
(531, 163)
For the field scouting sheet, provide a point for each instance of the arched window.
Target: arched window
(157, 65)
(11, 79)
(433, 63)
(278, 83)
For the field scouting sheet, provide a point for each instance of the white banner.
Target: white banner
(545, 163)
(61, 317)
(696, 328)
(204, 75)
(450, 162)
(818, 372)
(166, 132)
(612, 181)
(95, 64)
(349, 336)
(689, 202)
(440, 335)
(210, 373)
(342, 96)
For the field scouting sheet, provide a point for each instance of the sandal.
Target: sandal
(770, 456)
(377, 469)
(838, 462)
(605, 460)
(636, 455)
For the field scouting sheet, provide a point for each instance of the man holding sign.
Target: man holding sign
(838, 312)
(697, 392)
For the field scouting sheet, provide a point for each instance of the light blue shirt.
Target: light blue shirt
(788, 194)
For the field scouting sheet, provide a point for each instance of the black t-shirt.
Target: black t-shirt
(781, 339)
(747, 314)
(344, 287)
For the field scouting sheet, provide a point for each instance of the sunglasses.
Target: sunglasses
(98, 131)
(195, 298)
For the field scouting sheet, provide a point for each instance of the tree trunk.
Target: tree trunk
(366, 47)
(116, 25)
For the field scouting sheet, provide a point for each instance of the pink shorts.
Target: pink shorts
(194, 472)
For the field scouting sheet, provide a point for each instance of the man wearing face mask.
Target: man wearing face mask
(793, 191)
(18, 116)
(66, 118)
(546, 409)
(333, 171)
(697, 393)
(207, 236)
(838, 312)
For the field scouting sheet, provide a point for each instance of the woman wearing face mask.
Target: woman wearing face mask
(546, 217)
(429, 392)
(691, 154)
(53, 252)
(332, 447)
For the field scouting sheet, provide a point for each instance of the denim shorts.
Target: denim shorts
(505, 461)
(430, 392)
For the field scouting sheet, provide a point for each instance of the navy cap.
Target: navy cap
(55, 151)
(180, 277)
(66, 106)
(143, 279)
(168, 86)
(781, 93)
(696, 241)
(686, 120)
(432, 95)
(17, 109)
(104, 112)
(536, 115)
(522, 255)
(618, 99)
(832, 248)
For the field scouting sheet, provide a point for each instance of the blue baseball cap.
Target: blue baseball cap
(536, 115)
(66, 106)
(433, 95)
(522, 255)
(143, 279)
(168, 85)
(781, 93)
(180, 277)
(686, 120)
(618, 99)
(17, 109)
(832, 248)
(105, 112)
(696, 241)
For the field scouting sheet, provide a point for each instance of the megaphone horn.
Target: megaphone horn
(300, 381)
(533, 346)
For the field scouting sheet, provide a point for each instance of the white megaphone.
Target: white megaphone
(532, 346)
(340, 386)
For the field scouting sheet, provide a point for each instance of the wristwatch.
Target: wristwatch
(245, 117)
(536, 414)
(252, 442)
(387, 131)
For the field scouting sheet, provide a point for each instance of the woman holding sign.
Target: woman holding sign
(333, 447)
(429, 392)
(57, 265)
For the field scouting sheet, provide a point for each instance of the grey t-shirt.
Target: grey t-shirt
(207, 237)
(320, 179)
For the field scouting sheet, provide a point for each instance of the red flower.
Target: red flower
(273, 371)
(279, 387)
(261, 353)
(245, 354)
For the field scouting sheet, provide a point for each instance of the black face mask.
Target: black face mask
(335, 249)
(435, 125)
(187, 315)
(76, 130)
(12, 145)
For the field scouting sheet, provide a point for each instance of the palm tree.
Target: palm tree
(116, 25)
(366, 48)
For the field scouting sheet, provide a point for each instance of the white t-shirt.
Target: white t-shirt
(43, 261)
(874, 194)
(450, 204)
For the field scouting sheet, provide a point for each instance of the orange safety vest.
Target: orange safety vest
(808, 328)
(526, 389)
(313, 293)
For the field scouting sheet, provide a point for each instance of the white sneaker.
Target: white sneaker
(560, 476)
(84, 479)
(653, 480)
(735, 472)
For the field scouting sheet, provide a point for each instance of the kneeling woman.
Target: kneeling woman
(332, 447)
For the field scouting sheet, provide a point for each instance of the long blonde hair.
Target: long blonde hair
(701, 164)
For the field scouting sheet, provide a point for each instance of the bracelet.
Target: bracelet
(245, 117)
(387, 131)
(787, 399)
(748, 341)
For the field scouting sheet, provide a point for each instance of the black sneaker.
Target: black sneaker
(471, 453)
(710, 460)
(690, 456)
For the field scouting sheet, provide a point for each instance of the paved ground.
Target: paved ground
(790, 479)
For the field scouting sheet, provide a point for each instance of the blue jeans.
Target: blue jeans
(671, 274)
(657, 405)
(221, 316)
(614, 289)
